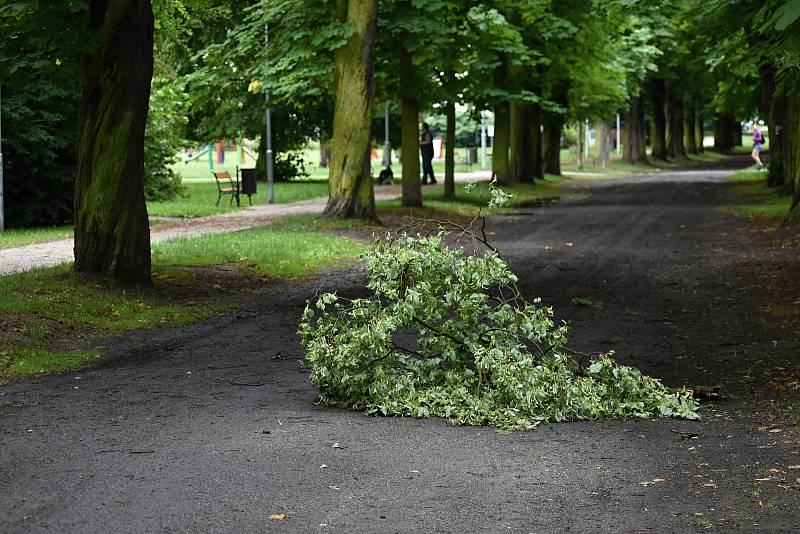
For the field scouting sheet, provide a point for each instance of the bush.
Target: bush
(163, 139)
(449, 335)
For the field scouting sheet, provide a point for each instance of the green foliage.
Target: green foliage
(162, 140)
(449, 335)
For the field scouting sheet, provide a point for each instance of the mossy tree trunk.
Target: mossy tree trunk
(350, 184)
(409, 135)
(659, 137)
(635, 147)
(501, 165)
(450, 153)
(112, 235)
(551, 146)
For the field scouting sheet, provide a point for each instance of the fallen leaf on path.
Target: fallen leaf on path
(337, 445)
(774, 470)
(760, 504)
(323, 466)
(793, 467)
(278, 517)
(767, 479)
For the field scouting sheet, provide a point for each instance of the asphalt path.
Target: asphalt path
(212, 427)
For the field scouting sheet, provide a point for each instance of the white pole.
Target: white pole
(483, 140)
(387, 147)
(619, 146)
(270, 167)
(2, 212)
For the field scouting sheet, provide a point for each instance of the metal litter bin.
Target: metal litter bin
(248, 184)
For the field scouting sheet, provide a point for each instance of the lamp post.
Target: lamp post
(387, 147)
(2, 212)
(270, 166)
(619, 138)
(483, 140)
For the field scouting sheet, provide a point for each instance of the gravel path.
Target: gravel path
(212, 427)
(52, 253)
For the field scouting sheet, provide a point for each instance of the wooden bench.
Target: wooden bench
(227, 186)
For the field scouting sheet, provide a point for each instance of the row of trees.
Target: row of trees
(670, 66)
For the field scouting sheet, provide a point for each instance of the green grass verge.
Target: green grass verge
(467, 203)
(53, 322)
(758, 200)
(270, 251)
(17, 237)
(200, 198)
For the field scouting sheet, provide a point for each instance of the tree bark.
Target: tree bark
(324, 155)
(725, 132)
(658, 92)
(501, 168)
(689, 139)
(791, 154)
(675, 120)
(350, 183)
(112, 234)
(635, 147)
(603, 132)
(551, 144)
(409, 135)
(450, 154)
(699, 134)
(535, 125)
(522, 143)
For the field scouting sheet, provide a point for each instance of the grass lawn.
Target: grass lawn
(759, 201)
(200, 198)
(17, 237)
(467, 203)
(53, 323)
(50, 322)
(267, 251)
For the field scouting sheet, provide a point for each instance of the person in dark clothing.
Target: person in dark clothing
(426, 148)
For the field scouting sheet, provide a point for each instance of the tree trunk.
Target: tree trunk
(409, 135)
(725, 132)
(777, 142)
(535, 125)
(522, 164)
(112, 234)
(501, 169)
(324, 155)
(350, 184)
(603, 133)
(689, 139)
(699, 134)
(658, 91)
(791, 153)
(675, 120)
(635, 147)
(450, 155)
(551, 144)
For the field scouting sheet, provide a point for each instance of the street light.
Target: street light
(270, 168)
(483, 140)
(387, 147)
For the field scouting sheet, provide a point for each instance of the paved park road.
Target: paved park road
(212, 428)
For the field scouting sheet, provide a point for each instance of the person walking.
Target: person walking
(426, 148)
(758, 140)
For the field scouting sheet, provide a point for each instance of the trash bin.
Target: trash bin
(473, 156)
(248, 184)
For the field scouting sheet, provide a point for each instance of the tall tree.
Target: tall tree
(351, 193)
(112, 236)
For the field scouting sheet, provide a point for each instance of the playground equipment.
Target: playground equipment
(215, 154)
